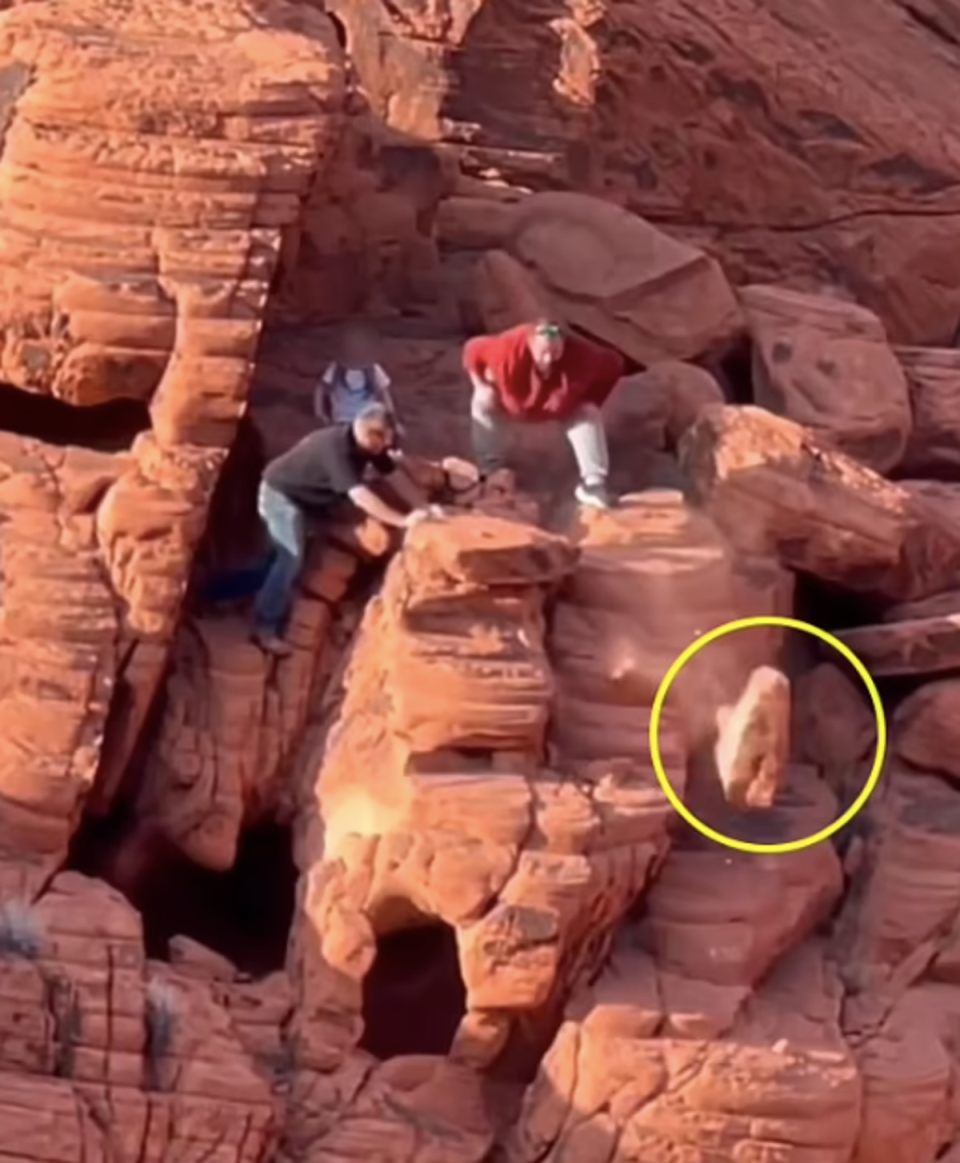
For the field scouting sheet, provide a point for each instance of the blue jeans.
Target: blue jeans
(286, 529)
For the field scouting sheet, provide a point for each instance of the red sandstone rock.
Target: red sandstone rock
(921, 645)
(653, 576)
(480, 754)
(622, 280)
(933, 377)
(95, 554)
(133, 268)
(833, 728)
(654, 408)
(753, 740)
(507, 293)
(848, 183)
(906, 892)
(650, 1063)
(480, 222)
(773, 489)
(827, 365)
(925, 728)
(451, 826)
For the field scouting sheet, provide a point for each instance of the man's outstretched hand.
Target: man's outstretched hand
(427, 513)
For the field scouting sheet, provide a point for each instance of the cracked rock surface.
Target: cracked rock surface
(414, 893)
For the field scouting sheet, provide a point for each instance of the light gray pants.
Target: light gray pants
(584, 430)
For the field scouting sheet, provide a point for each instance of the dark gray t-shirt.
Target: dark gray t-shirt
(323, 467)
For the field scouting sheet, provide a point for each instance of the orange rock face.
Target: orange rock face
(415, 891)
(795, 156)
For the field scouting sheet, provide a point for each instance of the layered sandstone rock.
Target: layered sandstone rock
(773, 488)
(143, 225)
(833, 728)
(924, 728)
(647, 1064)
(478, 825)
(476, 817)
(447, 698)
(652, 578)
(896, 944)
(141, 231)
(234, 719)
(113, 1051)
(924, 644)
(96, 551)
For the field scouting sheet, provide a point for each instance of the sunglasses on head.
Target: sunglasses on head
(549, 331)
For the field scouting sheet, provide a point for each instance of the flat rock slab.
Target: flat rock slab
(919, 646)
(621, 279)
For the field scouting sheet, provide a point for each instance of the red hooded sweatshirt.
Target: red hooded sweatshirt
(584, 374)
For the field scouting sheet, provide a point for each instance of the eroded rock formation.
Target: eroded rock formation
(415, 892)
(813, 148)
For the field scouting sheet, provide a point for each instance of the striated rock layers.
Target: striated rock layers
(142, 222)
(491, 937)
(812, 147)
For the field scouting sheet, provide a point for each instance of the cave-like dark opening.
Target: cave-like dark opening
(413, 997)
(244, 914)
(734, 372)
(107, 427)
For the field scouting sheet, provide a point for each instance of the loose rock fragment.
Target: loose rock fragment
(753, 745)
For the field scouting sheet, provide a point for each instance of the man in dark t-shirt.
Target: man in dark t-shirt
(312, 479)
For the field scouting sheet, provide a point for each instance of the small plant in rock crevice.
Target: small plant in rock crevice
(21, 934)
(63, 1002)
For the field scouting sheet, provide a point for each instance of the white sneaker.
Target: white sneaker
(594, 495)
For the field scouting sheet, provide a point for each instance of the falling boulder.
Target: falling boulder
(826, 363)
(753, 741)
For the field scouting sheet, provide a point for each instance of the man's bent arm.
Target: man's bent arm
(368, 502)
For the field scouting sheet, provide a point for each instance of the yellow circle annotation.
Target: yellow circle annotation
(747, 845)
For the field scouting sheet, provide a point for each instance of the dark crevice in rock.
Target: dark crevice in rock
(833, 608)
(935, 19)
(339, 30)
(106, 427)
(117, 782)
(234, 535)
(675, 221)
(734, 372)
(414, 997)
(244, 914)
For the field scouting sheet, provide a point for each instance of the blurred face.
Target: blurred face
(546, 346)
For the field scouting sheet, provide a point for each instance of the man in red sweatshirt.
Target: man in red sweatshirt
(533, 373)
